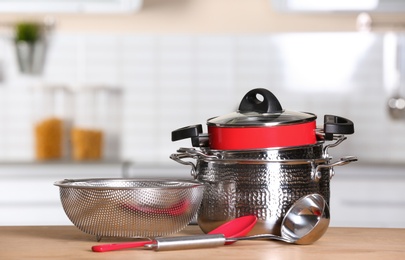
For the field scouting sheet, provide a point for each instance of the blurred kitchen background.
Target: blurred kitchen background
(154, 66)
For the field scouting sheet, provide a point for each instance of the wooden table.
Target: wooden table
(67, 242)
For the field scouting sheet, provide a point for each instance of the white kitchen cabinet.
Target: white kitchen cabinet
(361, 195)
(368, 196)
(28, 196)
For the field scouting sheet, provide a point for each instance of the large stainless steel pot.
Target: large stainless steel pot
(249, 165)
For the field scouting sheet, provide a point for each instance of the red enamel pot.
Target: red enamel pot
(261, 122)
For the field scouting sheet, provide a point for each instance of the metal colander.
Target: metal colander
(130, 207)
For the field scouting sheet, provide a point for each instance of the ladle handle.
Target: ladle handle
(187, 242)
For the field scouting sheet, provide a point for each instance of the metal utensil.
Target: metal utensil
(304, 223)
(233, 228)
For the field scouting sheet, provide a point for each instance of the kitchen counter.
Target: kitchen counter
(68, 242)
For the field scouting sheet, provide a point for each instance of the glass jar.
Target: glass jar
(52, 113)
(95, 134)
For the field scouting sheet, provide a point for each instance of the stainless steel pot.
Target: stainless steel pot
(260, 160)
(263, 182)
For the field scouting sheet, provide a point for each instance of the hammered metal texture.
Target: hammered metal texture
(324, 184)
(262, 188)
(130, 208)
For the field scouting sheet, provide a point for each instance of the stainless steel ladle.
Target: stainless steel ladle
(304, 223)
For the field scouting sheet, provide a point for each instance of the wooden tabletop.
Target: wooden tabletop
(67, 242)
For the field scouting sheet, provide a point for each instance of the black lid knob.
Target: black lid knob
(260, 100)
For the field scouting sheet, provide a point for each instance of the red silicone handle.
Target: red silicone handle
(111, 247)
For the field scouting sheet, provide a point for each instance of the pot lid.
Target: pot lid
(258, 108)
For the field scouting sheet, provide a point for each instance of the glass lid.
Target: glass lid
(259, 107)
(238, 119)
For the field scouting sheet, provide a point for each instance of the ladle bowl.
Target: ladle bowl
(307, 220)
(304, 223)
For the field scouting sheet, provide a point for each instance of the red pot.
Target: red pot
(261, 122)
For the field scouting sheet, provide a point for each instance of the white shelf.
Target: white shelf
(28, 195)
(69, 6)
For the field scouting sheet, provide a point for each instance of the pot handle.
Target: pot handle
(316, 176)
(337, 125)
(178, 157)
(190, 153)
(251, 103)
(198, 139)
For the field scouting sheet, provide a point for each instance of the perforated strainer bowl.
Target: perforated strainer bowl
(130, 207)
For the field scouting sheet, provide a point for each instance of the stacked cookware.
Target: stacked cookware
(261, 159)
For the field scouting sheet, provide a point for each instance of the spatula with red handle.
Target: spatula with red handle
(234, 228)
